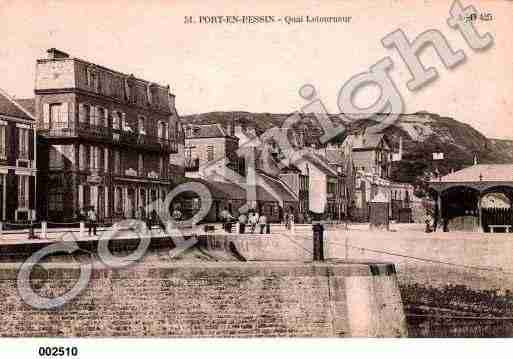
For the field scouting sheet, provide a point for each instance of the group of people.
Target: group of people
(252, 220)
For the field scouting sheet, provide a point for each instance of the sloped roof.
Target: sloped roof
(207, 131)
(332, 155)
(279, 187)
(480, 172)
(28, 104)
(9, 107)
(227, 190)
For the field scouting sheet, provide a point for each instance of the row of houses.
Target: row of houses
(94, 136)
(339, 181)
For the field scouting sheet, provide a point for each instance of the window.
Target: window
(210, 153)
(161, 166)
(82, 157)
(106, 159)
(162, 130)
(84, 113)
(55, 157)
(118, 200)
(2, 142)
(55, 114)
(103, 118)
(23, 143)
(55, 202)
(140, 126)
(140, 164)
(116, 120)
(117, 162)
(23, 191)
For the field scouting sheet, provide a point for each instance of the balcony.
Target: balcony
(107, 134)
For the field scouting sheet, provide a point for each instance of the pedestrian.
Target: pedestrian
(427, 221)
(226, 218)
(177, 214)
(92, 220)
(242, 223)
(254, 221)
(262, 222)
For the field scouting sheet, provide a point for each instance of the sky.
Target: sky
(261, 67)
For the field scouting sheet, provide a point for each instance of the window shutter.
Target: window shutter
(46, 115)
(106, 160)
(99, 119)
(123, 121)
(106, 118)
(72, 118)
(92, 115)
(64, 114)
(81, 112)
(159, 129)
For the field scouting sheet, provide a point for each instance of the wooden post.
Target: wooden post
(480, 213)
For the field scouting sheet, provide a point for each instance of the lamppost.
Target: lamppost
(438, 156)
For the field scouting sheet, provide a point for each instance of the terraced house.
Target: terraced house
(105, 138)
(17, 160)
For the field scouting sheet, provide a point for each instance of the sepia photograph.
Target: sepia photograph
(229, 170)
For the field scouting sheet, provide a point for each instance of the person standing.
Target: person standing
(226, 218)
(92, 220)
(242, 223)
(262, 222)
(253, 220)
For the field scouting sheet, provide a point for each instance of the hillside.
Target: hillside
(422, 133)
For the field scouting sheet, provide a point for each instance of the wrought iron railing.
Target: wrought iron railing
(64, 129)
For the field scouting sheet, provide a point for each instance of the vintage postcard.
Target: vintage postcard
(282, 169)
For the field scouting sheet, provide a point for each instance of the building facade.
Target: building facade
(208, 143)
(371, 153)
(105, 139)
(17, 161)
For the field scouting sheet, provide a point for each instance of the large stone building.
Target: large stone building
(17, 160)
(105, 138)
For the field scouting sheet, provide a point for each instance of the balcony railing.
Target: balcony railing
(192, 164)
(88, 130)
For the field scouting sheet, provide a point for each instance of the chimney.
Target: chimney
(54, 53)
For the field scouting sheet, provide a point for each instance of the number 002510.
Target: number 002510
(58, 351)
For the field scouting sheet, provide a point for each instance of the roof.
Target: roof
(278, 187)
(28, 104)
(480, 172)
(207, 131)
(227, 190)
(10, 107)
(321, 162)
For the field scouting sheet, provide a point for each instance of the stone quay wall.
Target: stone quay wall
(210, 299)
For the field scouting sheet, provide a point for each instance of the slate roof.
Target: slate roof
(10, 107)
(480, 172)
